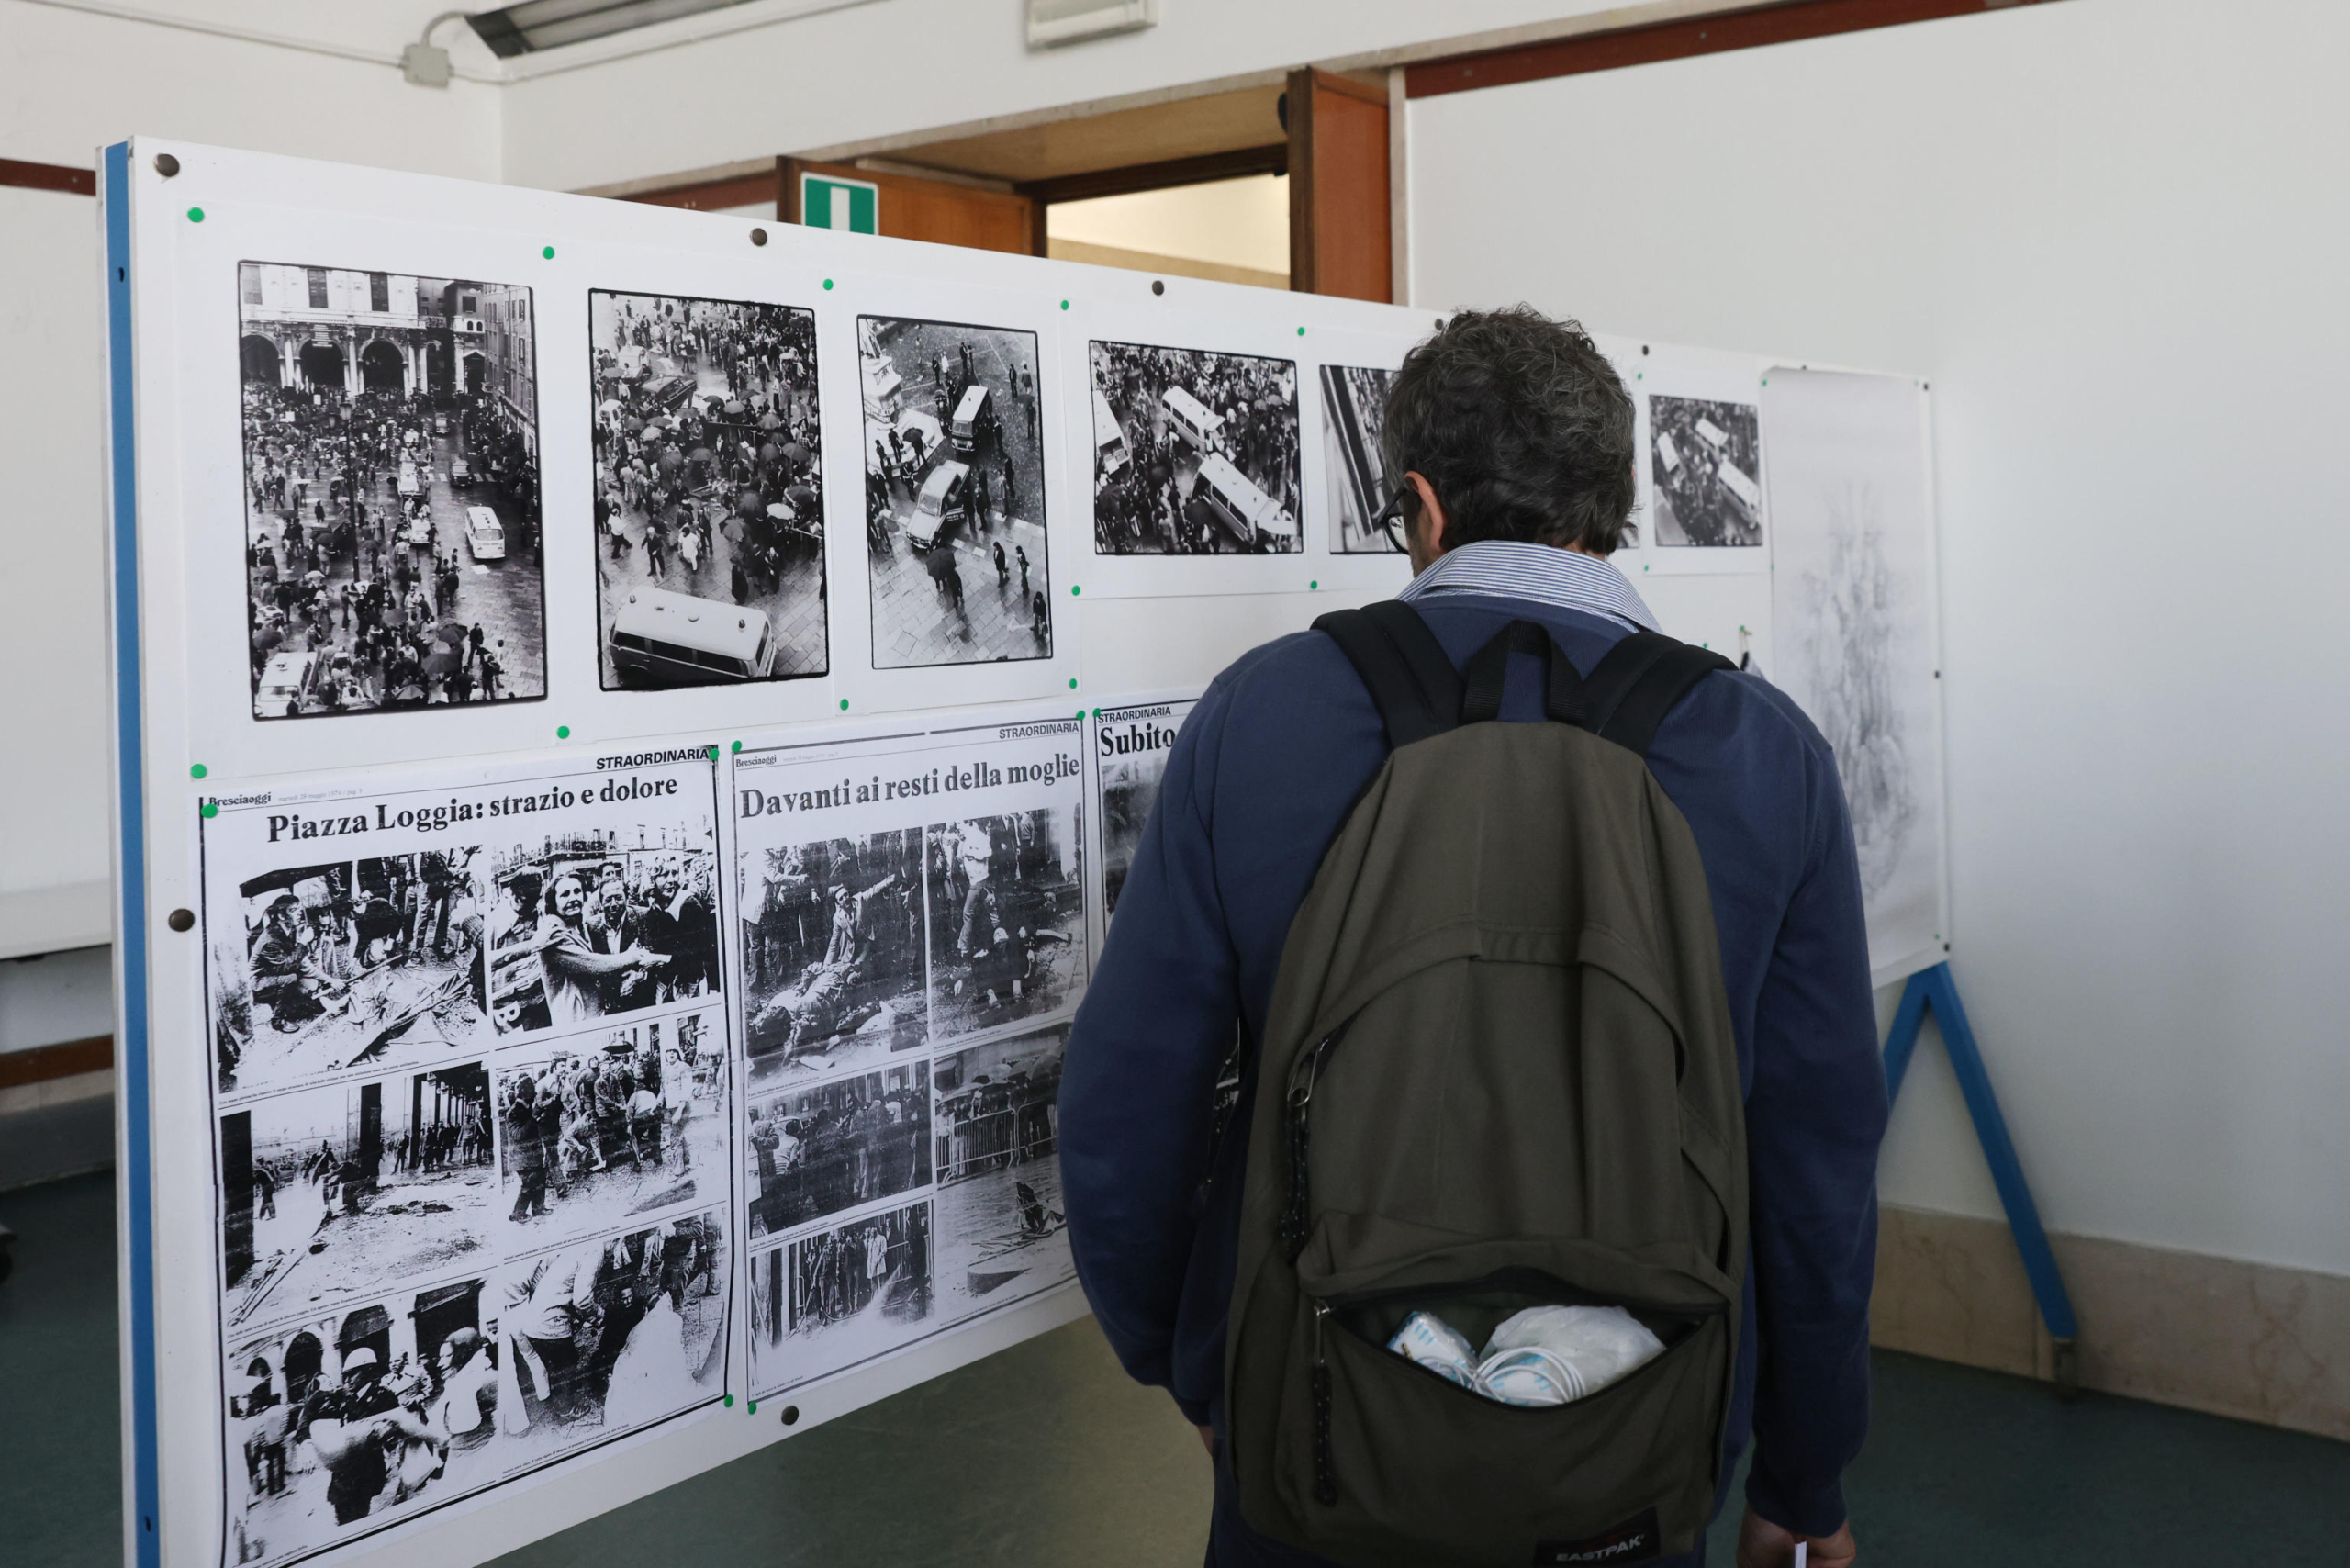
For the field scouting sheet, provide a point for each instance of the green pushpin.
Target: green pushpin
(211, 809)
(1314, 583)
(730, 1402)
(548, 252)
(563, 732)
(198, 771)
(755, 1406)
(828, 284)
(195, 215)
(738, 745)
(1074, 590)
(844, 704)
(1072, 683)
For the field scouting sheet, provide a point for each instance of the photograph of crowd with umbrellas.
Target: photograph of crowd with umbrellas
(391, 479)
(710, 516)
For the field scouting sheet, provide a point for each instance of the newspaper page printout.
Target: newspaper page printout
(1129, 749)
(475, 1150)
(914, 947)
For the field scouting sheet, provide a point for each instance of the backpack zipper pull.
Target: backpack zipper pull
(1326, 1478)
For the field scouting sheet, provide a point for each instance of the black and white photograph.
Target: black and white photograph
(1354, 406)
(333, 1194)
(320, 969)
(954, 462)
(604, 1130)
(1705, 460)
(839, 1145)
(1001, 1234)
(602, 1337)
(1006, 919)
(833, 956)
(391, 469)
(710, 512)
(597, 923)
(343, 1420)
(837, 1297)
(1195, 452)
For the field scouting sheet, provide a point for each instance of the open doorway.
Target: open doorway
(1225, 230)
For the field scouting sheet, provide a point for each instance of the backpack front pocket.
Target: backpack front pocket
(1400, 1464)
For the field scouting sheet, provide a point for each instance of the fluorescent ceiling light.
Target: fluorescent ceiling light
(548, 24)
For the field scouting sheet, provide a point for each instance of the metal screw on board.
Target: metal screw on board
(758, 236)
(791, 1414)
(180, 920)
(1158, 285)
(166, 165)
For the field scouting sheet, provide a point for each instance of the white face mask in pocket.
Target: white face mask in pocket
(1542, 1355)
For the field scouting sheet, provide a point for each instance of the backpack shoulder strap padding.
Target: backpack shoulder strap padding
(1630, 691)
(1412, 681)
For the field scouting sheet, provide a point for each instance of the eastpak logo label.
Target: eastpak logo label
(1636, 1539)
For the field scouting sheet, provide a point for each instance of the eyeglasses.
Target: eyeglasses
(1392, 512)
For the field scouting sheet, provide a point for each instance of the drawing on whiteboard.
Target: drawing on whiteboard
(710, 513)
(1001, 1234)
(1195, 452)
(607, 1127)
(391, 478)
(954, 463)
(1853, 608)
(833, 956)
(593, 923)
(346, 964)
(836, 1297)
(838, 1145)
(1705, 460)
(335, 1193)
(1354, 408)
(1006, 920)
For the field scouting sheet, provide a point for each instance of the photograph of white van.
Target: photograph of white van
(660, 639)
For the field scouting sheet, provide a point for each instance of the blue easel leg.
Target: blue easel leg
(1934, 987)
(2007, 1170)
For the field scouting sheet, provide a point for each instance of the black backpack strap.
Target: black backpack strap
(1413, 684)
(1630, 691)
(1488, 667)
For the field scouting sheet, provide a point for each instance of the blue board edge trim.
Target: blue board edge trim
(131, 1049)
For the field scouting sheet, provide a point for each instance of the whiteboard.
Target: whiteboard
(722, 1014)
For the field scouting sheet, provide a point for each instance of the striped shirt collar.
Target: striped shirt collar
(1542, 573)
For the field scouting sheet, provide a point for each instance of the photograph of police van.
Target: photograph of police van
(1254, 519)
(661, 638)
(974, 418)
(1195, 453)
(484, 535)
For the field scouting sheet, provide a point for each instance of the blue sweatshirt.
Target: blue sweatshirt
(1263, 775)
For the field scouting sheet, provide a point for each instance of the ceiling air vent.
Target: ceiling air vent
(1054, 22)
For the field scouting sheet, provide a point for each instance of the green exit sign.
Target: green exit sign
(850, 204)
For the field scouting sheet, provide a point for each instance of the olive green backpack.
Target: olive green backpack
(1498, 1072)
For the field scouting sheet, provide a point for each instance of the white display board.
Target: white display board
(612, 821)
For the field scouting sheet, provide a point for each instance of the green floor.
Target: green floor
(1045, 1455)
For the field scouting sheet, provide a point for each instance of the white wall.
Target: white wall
(905, 65)
(2112, 232)
(69, 83)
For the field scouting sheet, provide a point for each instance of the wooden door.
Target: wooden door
(941, 212)
(1338, 213)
